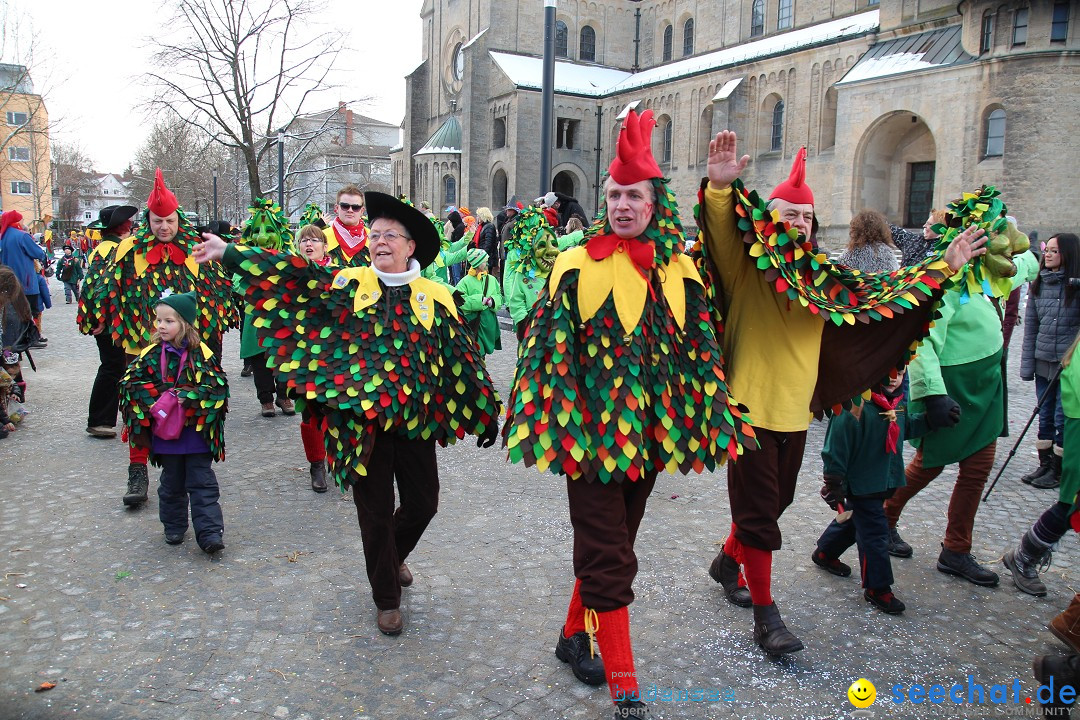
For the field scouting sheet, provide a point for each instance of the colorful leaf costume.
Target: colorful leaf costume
(145, 268)
(367, 356)
(620, 373)
(204, 393)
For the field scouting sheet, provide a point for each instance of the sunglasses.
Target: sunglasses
(350, 206)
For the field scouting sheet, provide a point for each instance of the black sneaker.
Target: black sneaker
(575, 650)
(885, 601)
(964, 565)
(833, 565)
(212, 544)
(631, 709)
(897, 546)
(174, 538)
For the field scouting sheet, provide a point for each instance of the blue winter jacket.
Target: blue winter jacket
(18, 251)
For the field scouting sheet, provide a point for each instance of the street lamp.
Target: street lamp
(216, 216)
(281, 168)
(548, 96)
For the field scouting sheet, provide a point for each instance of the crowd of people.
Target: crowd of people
(635, 355)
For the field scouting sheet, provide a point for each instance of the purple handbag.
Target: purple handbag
(167, 415)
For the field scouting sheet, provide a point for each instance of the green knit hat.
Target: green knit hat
(182, 303)
(476, 257)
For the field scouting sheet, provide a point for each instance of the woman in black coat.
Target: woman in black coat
(1050, 326)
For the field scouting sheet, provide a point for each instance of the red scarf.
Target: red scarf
(889, 406)
(351, 238)
(160, 250)
(641, 252)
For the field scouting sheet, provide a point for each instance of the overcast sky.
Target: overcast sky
(89, 57)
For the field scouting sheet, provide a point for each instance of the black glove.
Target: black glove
(832, 491)
(487, 438)
(941, 411)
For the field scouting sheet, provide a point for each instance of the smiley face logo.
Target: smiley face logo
(862, 693)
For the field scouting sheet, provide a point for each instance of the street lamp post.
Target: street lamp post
(281, 168)
(216, 216)
(548, 96)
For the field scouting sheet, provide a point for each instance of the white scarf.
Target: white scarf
(401, 278)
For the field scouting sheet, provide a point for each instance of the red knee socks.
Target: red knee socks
(138, 455)
(757, 564)
(575, 615)
(311, 434)
(733, 549)
(613, 636)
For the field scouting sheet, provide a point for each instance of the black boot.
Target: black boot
(725, 571)
(1024, 563)
(138, 484)
(586, 666)
(1051, 479)
(1063, 670)
(318, 476)
(771, 633)
(1045, 454)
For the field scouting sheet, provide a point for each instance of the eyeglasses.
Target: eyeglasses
(312, 240)
(389, 236)
(350, 206)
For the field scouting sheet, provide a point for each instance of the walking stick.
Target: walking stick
(1038, 404)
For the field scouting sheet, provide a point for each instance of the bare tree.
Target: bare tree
(72, 177)
(239, 70)
(188, 160)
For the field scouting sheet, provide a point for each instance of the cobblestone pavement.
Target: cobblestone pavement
(281, 624)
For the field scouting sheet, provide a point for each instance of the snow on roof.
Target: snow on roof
(832, 31)
(598, 80)
(475, 37)
(729, 87)
(571, 78)
(922, 51)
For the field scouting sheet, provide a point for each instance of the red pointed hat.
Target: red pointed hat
(794, 189)
(634, 160)
(161, 202)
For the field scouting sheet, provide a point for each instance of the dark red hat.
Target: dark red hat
(12, 218)
(634, 160)
(794, 189)
(161, 202)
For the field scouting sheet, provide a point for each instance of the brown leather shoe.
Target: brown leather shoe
(286, 405)
(404, 575)
(390, 622)
(268, 410)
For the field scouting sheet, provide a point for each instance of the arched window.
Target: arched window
(669, 33)
(665, 150)
(449, 190)
(995, 133)
(498, 189)
(757, 18)
(587, 47)
(785, 14)
(688, 37)
(828, 120)
(498, 134)
(561, 39)
(986, 41)
(777, 141)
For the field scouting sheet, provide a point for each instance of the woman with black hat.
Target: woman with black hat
(385, 357)
(115, 223)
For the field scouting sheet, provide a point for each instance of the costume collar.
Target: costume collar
(353, 237)
(640, 250)
(401, 278)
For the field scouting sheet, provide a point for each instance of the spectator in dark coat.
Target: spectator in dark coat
(568, 207)
(487, 239)
(1050, 326)
(914, 246)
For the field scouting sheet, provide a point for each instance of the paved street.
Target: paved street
(281, 624)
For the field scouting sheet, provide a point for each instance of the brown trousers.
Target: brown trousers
(606, 519)
(390, 536)
(761, 485)
(974, 470)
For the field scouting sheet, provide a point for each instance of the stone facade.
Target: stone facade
(900, 133)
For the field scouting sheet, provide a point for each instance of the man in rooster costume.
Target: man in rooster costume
(801, 335)
(144, 265)
(620, 377)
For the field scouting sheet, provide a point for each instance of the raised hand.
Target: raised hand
(724, 164)
(965, 246)
(211, 248)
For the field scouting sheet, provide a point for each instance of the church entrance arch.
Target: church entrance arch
(894, 169)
